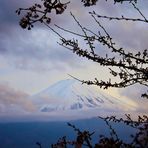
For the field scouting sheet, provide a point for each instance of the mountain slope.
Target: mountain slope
(68, 95)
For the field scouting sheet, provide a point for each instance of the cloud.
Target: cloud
(30, 50)
(27, 49)
(134, 92)
(14, 101)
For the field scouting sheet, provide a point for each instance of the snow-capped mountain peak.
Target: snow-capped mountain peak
(72, 95)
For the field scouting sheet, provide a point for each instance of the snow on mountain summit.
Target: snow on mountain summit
(72, 95)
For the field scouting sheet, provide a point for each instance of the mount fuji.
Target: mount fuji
(62, 102)
(70, 95)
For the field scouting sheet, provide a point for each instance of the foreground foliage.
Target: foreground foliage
(84, 138)
(130, 68)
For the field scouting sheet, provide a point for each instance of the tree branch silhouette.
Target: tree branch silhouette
(130, 68)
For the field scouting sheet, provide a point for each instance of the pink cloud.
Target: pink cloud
(14, 101)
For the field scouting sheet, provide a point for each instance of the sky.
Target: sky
(32, 60)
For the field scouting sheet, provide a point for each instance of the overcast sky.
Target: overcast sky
(32, 60)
